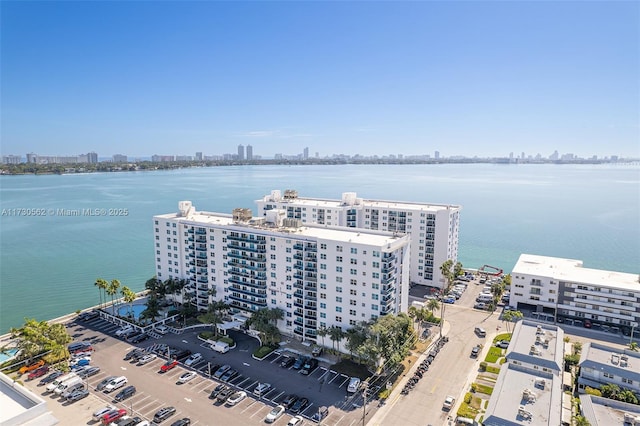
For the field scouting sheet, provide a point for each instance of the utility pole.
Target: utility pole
(365, 387)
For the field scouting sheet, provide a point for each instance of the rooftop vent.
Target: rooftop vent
(540, 383)
(522, 412)
(539, 329)
(290, 194)
(615, 358)
(242, 215)
(528, 395)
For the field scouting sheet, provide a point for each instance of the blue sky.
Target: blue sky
(464, 78)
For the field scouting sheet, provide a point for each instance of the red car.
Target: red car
(38, 373)
(113, 415)
(168, 365)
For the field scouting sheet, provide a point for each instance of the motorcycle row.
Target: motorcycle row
(424, 365)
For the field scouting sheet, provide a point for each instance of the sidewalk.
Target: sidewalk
(380, 415)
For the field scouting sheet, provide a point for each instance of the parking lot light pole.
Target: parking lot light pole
(633, 327)
(365, 387)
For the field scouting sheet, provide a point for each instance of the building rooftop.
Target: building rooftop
(524, 397)
(573, 271)
(349, 199)
(601, 411)
(623, 363)
(22, 407)
(538, 344)
(347, 235)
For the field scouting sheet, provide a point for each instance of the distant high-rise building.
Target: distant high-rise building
(119, 158)
(437, 155)
(198, 156)
(249, 152)
(240, 152)
(305, 153)
(32, 158)
(554, 156)
(92, 158)
(11, 159)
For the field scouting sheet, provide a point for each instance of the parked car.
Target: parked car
(448, 403)
(316, 351)
(449, 300)
(480, 305)
(146, 359)
(133, 336)
(299, 405)
(480, 331)
(121, 332)
(125, 393)
(309, 366)
(287, 362)
(78, 394)
(319, 415)
(71, 389)
(182, 422)
(504, 344)
(133, 353)
(275, 414)
(38, 373)
(220, 372)
(475, 351)
(116, 383)
(262, 389)
(299, 363)
(182, 354)
(295, 421)
(50, 378)
(230, 374)
(163, 414)
(587, 323)
(168, 365)
(162, 329)
(100, 386)
(216, 391)
(224, 395)
(30, 367)
(112, 416)
(77, 346)
(89, 371)
(289, 400)
(89, 315)
(139, 338)
(193, 359)
(189, 375)
(236, 398)
(354, 385)
(97, 415)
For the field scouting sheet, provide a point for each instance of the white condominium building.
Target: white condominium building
(563, 290)
(320, 276)
(433, 228)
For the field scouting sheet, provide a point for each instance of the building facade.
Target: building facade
(319, 276)
(601, 365)
(240, 152)
(433, 228)
(249, 152)
(565, 291)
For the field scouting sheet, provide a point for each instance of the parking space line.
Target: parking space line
(239, 384)
(251, 384)
(346, 379)
(277, 396)
(326, 371)
(334, 377)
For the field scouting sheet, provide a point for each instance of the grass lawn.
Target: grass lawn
(484, 389)
(503, 336)
(492, 369)
(493, 355)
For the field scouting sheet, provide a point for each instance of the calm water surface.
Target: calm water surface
(48, 264)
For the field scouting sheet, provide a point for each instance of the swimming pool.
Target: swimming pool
(136, 310)
(8, 354)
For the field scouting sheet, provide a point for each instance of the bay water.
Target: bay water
(50, 260)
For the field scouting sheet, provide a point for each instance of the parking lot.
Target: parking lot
(154, 390)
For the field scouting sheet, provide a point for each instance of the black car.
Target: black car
(163, 414)
(125, 393)
(128, 422)
(230, 374)
(78, 395)
(182, 354)
(86, 316)
(133, 336)
(300, 362)
(220, 371)
(225, 394)
(104, 382)
(215, 392)
(88, 372)
(287, 362)
(299, 405)
(50, 378)
(139, 338)
(309, 366)
(132, 354)
(182, 422)
(289, 400)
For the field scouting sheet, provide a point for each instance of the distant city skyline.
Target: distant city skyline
(464, 78)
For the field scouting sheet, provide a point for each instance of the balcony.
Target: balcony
(297, 256)
(202, 280)
(201, 232)
(298, 293)
(250, 238)
(201, 247)
(260, 302)
(311, 277)
(249, 291)
(298, 246)
(261, 267)
(202, 294)
(190, 231)
(202, 287)
(298, 275)
(259, 248)
(311, 247)
(252, 283)
(247, 256)
(201, 239)
(201, 255)
(388, 256)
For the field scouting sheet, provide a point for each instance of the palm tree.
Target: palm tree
(153, 308)
(112, 290)
(510, 316)
(432, 305)
(322, 332)
(129, 297)
(335, 334)
(412, 312)
(447, 274)
(102, 287)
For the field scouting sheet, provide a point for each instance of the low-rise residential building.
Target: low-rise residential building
(320, 276)
(601, 365)
(528, 390)
(599, 411)
(433, 228)
(563, 290)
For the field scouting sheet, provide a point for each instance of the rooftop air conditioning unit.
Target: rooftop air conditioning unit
(629, 418)
(540, 383)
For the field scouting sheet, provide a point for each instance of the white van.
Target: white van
(222, 347)
(53, 385)
(484, 298)
(67, 384)
(116, 383)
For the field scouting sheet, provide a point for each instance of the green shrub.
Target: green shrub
(484, 389)
(474, 388)
(483, 366)
(592, 391)
(384, 394)
(227, 340)
(495, 370)
(467, 398)
(206, 335)
(262, 351)
(494, 354)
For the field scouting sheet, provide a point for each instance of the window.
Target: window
(353, 271)
(323, 315)
(339, 249)
(323, 306)
(354, 250)
(338, 268)
(627, 381)
(354, 261)
(374, 296)
(338, 289)
(352, 312)
(338, 319)
(338, 308)
(338, 299)
(353, 292)
(338, 258)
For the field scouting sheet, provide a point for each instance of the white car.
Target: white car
(162, 329)
(449, 402)
(186, 377)
(354, 385)
(262, 389)
(236, 398)
(124, 330)
(295, 421)
(274, 414)
(193, 359)
(97, 415)
(116, 383)
(146, 359)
